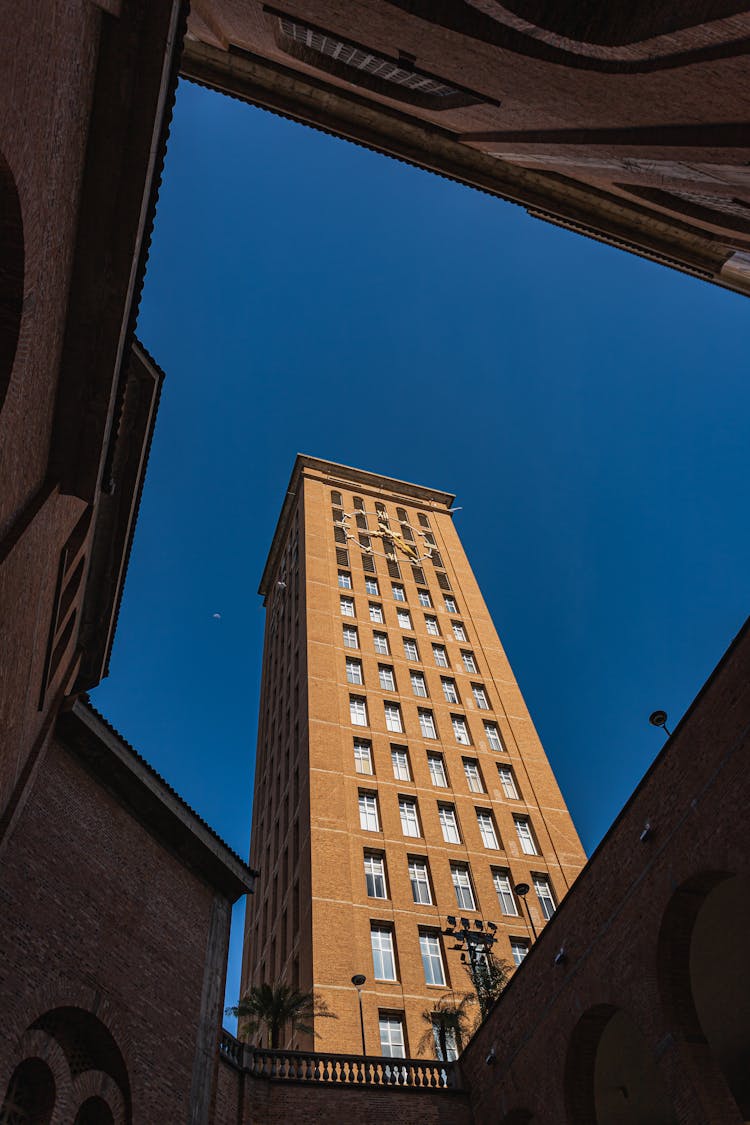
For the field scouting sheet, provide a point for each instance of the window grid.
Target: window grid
(386, 677)
(432, 960)
(525, 836)
(487, 829)
(458, 630)
(420, 882)
(410, 649)
(399, 593)
(380, 643)
(437, 770)
(351, 636)
(347, 606)
(353, 670)
(545, 895)
(494, 741)
(441, 656)
(376, 613)
(449, 824)
(400, 760)
(418, 684)
(392, 1037)
(345, 580)
(407, 809)
(431, 624)
(424, 599)
(470, 664)
(362, 756)
(505, 894)
(393, 720)
(368, 812)
(460, 730)
(427, 723)
(508, 782)
(519, 947)
(404, 619)
(383, 954)
(375, 875)
(480, 697)
(358, 710)
(473, 775)
(462, 886)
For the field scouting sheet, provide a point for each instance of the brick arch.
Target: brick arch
(12, 264)
(37, 1044)
(92, 1087)
(69, 992)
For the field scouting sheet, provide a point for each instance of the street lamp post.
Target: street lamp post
(358, 980)
(522, 889)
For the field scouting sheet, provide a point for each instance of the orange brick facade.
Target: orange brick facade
(404, 670)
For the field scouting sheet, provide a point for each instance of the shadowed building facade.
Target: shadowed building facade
(401, 790)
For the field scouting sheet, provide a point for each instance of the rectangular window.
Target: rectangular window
(545, 895)
(458, 630)
(487, 829)
(336, 499)
(462, 886)
(393, 720)
(368, 812)
(386, 677)
(375, 875)
(460, 730)
(345, 580)
(449, 690)
(400, 760)
(525, 836)
(450, 605)
(351, 636)
(423, 519)
(508, 782)
(494, 741)
(427, 723)
(404, 618)
(376, 613)
(358, 710)
(519, 947)
(446, 1041)
(449, 824)
(441, 656)
(353, 671)
(371, 586)
(410, 649)
(407, 808)
(418, 684)
(480, 697)
(399, 593)
(420, 882)
(432, 958)
(383, 955)
(431, 624)
(437, 770)
(504, 890)
(380, 641)
(347, 607)
(392, 1037)
(424, 598)
(418, 575)
(470, 664)
(362, 756)
(473, 775)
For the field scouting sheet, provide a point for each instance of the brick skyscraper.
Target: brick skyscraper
(400, 784)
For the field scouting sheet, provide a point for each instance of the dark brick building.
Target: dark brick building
(115, 896)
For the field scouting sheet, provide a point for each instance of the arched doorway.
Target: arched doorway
(610, 1075)
(30, 1097)
(94, 1111)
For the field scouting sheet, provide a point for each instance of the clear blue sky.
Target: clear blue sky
(588, 408)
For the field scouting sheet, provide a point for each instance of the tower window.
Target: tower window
(525, 835)
(545, 895)
(383, 953)
(375, 875)
(449, 824)
(504, 891)
(462, 886)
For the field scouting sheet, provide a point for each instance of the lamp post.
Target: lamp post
(522, 889)
(358, 980)
(659, 719)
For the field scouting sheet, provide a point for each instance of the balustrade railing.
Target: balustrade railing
(339, 1070)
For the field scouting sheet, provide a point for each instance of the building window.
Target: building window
(353, 671)
(418, 684)
(386, 678)
(336, 499)
(504, 891)
(441, 656)
(432, 958)
(400, 760)
(423, 519)
(368, 812)
(345, 580)
(375, 875)
(519, 947)
(376, 613)
(480, 697)
(339, 534)
(399, 593)
(449, 689)
(470, 664)
(460, 730)
(458, 630)
(393, 720)
(420, 882)
(447, 1036)
(545, 895)
(473, 775)
(410, 649)
(392, 1037)
(431, 624)
(525, 836)
(380, 641)
(383, 955)
(358, 710)
(347, 607)
(494, 741)
(351, 637)
(450, 605)
(462, 886)
(508, 782)
(487, 829)
(427, 723)
(424, 598)
(404, 618)
(362, 756)
(407, 808)
(371, 586)
(437, 770)
(449, 824)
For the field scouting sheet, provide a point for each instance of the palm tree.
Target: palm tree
(271, 1006)
(489, 975)
(448, 1020)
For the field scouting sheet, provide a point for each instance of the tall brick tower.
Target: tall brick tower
(401, 791)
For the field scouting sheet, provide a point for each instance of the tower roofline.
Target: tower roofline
(343, 474)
